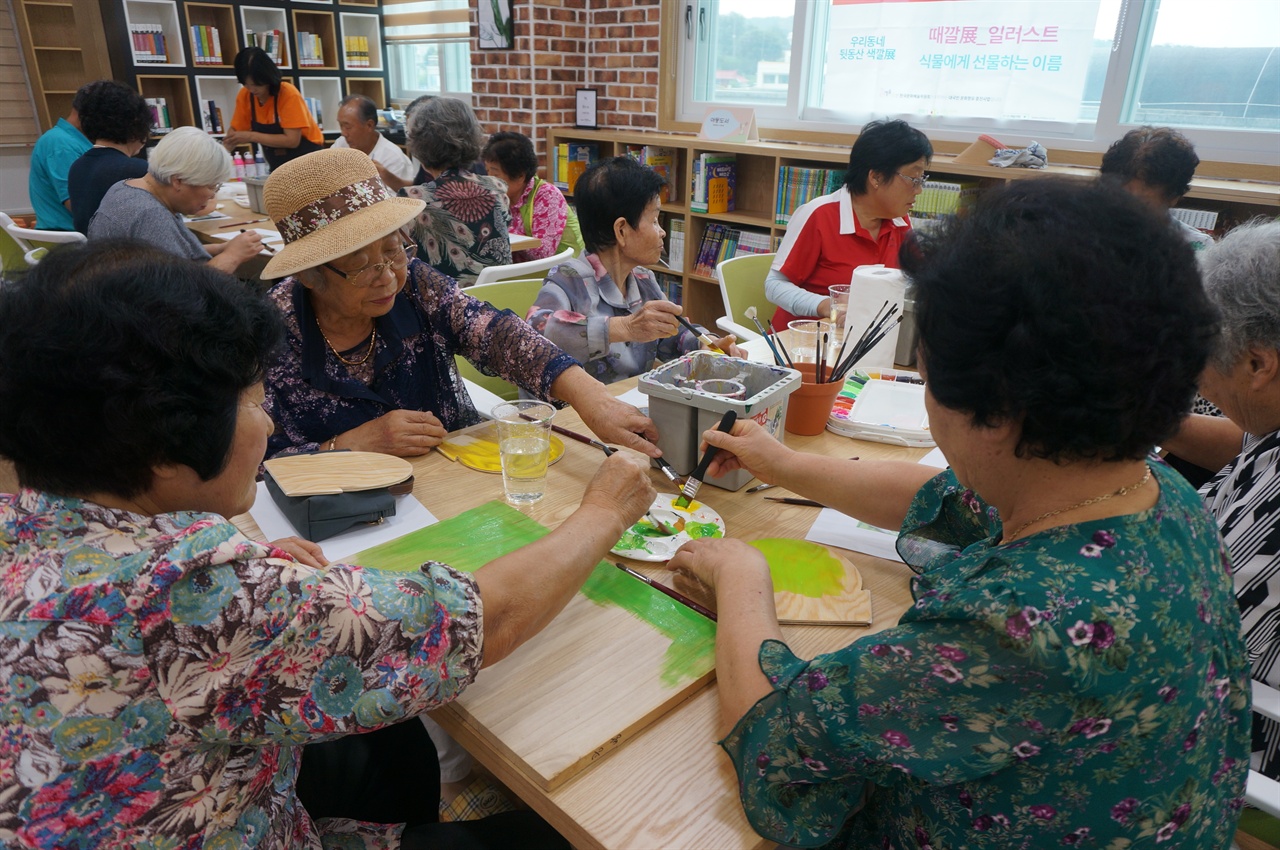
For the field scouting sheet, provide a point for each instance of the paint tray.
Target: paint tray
(682, 409)
(881, 410)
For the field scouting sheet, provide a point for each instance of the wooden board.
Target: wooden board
(325, 473)
(814, 585)
(618, 657)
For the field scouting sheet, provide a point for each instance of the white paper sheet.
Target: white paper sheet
(634, 396)
(410, 516)
(833, 528)
(935, 458)
(268, 236)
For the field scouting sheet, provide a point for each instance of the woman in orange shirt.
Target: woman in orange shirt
(270, 112)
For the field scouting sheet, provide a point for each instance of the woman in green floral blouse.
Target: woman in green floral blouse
(1072, 671)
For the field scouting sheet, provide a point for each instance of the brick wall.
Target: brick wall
(564, 45)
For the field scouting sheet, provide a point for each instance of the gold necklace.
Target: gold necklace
(1128, 488)
(373, 339)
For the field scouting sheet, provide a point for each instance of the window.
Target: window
(1075, 74)
(428, 46)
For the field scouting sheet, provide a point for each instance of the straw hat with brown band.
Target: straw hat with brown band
(326, 205)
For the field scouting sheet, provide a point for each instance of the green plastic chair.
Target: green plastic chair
(516, 296)
(742, 286)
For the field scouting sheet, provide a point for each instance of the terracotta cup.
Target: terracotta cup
(810, 404)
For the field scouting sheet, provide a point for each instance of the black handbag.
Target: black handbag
(320, 517)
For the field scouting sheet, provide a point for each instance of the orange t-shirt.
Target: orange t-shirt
(293, 112)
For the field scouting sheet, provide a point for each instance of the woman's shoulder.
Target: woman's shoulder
(287, 89)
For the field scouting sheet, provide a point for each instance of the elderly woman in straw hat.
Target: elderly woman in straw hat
(372, 331)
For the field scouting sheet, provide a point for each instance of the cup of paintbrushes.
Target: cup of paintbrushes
(810, 404)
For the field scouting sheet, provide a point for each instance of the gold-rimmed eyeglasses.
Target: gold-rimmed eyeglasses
(366, 276)
(916, 182)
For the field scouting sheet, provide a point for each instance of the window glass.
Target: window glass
(1210, 66)
(745, 54)
(434, 67)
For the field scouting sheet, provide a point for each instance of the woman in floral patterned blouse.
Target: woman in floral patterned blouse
(1072, 672)
(464, 226)
(537, 206)
(159, 671)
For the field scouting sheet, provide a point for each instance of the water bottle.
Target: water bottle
(238, 162)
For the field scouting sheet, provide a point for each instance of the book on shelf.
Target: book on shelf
(207, 45)
(357, 50)
(269, 40)
(160, 120)
(722, 242)
(1205, 220)
(675, 243)
(942, 199)
(662, 160)
(798, 185)
(310, 50)
(672, 286)
(212, 117)
(714, 181)
(149, 47)
(579, 157)
(317, 112)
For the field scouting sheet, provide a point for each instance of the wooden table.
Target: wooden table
(670, 786)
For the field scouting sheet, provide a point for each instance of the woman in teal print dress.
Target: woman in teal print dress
(1072, 672)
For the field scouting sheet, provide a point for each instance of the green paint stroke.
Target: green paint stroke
(478, 536)
(801, 567)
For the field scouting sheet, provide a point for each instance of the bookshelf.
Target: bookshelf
(315, 41)
(327, 90)
(756, 192)
(264, 21)
(175, 93)
(222, 92)
(374, 88)
(211, 28)
(361, 42)
(156, 21)
(64, 47)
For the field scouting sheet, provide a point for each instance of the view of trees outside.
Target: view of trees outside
(752, 51)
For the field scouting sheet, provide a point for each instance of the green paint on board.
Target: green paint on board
(474, 538)
(801, 567)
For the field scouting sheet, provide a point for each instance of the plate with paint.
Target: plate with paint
(646, 542)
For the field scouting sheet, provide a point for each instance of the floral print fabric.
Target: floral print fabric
(573, 309)
(313, 396)
(160, 674)
(464, 226)
(1085, 686)
(543, 212)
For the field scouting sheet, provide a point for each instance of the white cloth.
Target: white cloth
(389, 156)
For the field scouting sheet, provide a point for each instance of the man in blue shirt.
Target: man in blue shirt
(50, 162)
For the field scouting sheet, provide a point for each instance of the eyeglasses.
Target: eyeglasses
(916, 182)
(367, 275)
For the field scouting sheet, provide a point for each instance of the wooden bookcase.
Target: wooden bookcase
(758, 164)
(188, 86)
(64, 48)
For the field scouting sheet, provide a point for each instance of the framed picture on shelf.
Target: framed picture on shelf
(495, 24)
(586, 110)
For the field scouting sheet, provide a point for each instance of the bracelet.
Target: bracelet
(333, 444)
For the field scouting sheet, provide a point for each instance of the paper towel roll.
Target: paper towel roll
(871, 287)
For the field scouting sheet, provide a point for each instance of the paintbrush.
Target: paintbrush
(694, 481)
(264, 245)
(751, 314)
(668, 470)
(791, 500)
(758, 488)
(608, 450)
(706, 338)
(240, 223)
(674, 594)
(782, 348)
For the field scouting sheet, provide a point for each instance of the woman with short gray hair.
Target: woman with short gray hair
(183, 175)
(1242, 276)
(464, 226)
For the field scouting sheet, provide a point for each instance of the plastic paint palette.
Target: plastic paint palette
(883, 407)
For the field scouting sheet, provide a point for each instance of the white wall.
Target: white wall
(15, 163)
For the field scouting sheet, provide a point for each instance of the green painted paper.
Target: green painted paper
(801, 567)
(474, 538)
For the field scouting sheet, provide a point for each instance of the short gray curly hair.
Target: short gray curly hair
(443, 133)
(1241, 274)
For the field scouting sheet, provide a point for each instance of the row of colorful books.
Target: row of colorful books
(149, 46)
(357, 50)
(662, 160)
(944, 198)
(713, 184)
(161, 122)
(271, 42)
(313, 104)
(310, 50)
(207, 45)
(721, 242)
(798, 185)
(570, 159)
(211, 117)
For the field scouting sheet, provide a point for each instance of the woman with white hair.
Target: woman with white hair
(1242, 276)
(183, 175)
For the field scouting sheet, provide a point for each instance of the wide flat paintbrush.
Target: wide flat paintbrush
(707, 339)
(694, 480)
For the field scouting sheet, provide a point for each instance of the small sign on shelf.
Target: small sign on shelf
(729, 124)
(586, 118)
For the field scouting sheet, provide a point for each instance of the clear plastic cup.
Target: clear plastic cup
(804, 339)
(839, 307)
(524, 446)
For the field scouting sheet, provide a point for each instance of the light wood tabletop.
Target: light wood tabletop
(670, 786)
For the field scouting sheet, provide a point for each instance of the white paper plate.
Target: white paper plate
(643, 542)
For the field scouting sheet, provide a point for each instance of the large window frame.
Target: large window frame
(798, 122)
(414, 23)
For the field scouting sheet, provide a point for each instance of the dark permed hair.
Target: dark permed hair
(1160, 157)
(514, 153)
(116, 358)
(884, 147)
(1072, 308)
(611, 189)
(113, 112)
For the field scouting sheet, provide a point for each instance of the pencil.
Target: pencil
(674, 594)
(791, 500)
(240, 223)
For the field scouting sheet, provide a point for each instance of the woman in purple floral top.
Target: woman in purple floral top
(159, 672)
(463, 227)
(1072, 671)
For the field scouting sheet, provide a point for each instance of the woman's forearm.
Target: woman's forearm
(791, 297)
(747, 618)
(878, 492)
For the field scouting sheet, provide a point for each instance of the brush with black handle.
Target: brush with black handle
(694, 481)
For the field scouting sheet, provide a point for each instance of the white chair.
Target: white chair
(1261, 792)
(25, 236)
(517, 270)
